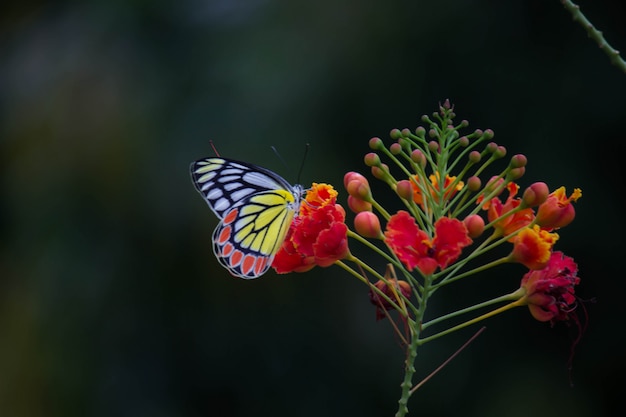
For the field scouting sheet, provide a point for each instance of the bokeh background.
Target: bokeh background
(111, 301)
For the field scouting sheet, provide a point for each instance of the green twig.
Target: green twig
(595, 34)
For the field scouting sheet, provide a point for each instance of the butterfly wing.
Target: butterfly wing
(225, 183)
(251, 233)
(256, 207)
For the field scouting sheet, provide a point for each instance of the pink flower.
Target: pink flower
(550, 291)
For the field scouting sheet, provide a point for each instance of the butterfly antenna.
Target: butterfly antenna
(213, 147)
(279, 156)
(306, 151)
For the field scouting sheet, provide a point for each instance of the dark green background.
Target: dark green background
(111, 301)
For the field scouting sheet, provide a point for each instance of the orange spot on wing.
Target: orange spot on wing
(260, 265)
(248, 263)
(231, 216)
(227, 249)
(236, 258)
(224, 236)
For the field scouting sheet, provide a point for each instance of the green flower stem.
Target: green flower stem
(411, 354)
(352, 272)
(520, 302)
(508, 297)
(392, 260)
(493, 193)
(453, 269)
(595, 34)
(380, 209)
(373, 247)
(485, 164)
(464, 152)
(425, 191)
(365, 281)
(505, 215)
(481, 268)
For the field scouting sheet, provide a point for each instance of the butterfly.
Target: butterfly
(255, 206)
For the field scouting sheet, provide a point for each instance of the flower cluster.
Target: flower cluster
(450, 220)
(317, 236)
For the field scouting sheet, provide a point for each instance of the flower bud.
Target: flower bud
(516, 173)
(500, 152)
(360, 190)
(376, 143)
(354, 176)
(395, 134)
(420, 131)
(491, 147)
(463, 141)
(518, 161)
(418, 157)
(474, 157)
(379, 173)
(475, 225)
(395, 148)
(488, 134)
(473, 183)
(557, 211)
(406, 132)
(433, 146)
(372, 159)
(404, 189)
(495, 183)
(535, 195)
(357, 205)
(367, 224)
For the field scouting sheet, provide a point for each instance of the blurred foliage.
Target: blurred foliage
(111, 302)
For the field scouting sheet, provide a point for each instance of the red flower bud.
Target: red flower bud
(357, 205)
(353, 176)
(376, 143)
(475, 225)
(404, 189)
(367, 224)
(372, 159)
(473, 183)
(557, 211)
(536, 194)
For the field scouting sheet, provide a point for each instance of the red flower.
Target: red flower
(318, 236)
(532, 246)
(550, 291)
(512, 222)
(557, 211)
(415, 249)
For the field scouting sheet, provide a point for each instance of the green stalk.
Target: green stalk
(411, 354)
(508, 297)
(520, 302)
(595, 34)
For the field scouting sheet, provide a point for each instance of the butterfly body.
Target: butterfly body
(255, 207)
